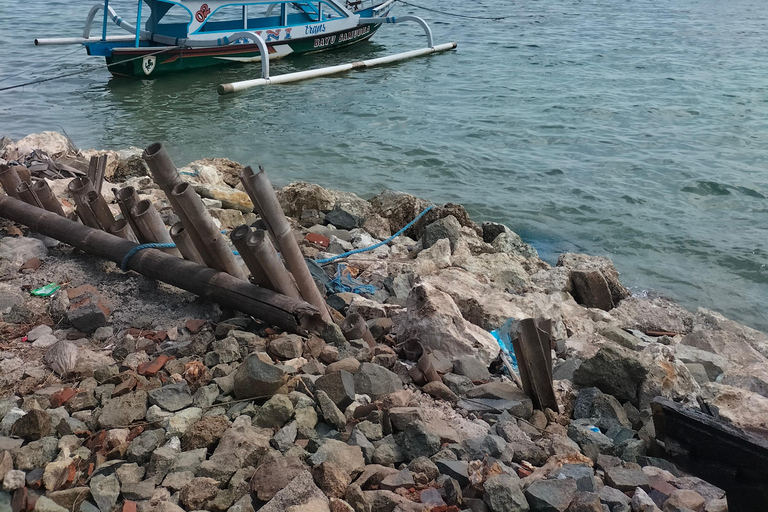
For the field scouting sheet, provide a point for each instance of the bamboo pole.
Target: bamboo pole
(78, 188)
(262, 249)
(184, 244)
(167, 177)
(160, 164)
(126, 199)
(100, 209)
(276, 309)
(245, 175)
(273, 213)
(10, 180)
(26, 194)
(23, 173)
(46, 197)
(122, 229)
(151, 225)
(214, 245)
(239, 236)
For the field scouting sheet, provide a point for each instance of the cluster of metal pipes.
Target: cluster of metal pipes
(17, 183)
(196, 236)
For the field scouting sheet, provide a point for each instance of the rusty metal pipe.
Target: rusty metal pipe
(239, 236)
(23, 173)
(151, 225)
(46, 197)
(184, 244)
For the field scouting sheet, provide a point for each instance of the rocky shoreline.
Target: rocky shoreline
(122, 393)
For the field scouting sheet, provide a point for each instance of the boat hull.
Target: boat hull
(152, 61)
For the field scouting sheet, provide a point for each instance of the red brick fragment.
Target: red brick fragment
(31, 264)
(194, 325)
(59, 398)
(150, 368)
(19, 500)
(318, 239)
(125, 387)
(129, 506)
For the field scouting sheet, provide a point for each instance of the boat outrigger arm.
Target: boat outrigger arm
(315, 25)
(332, 70)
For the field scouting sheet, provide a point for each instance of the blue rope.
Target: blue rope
(127, 257)
(376, 245)
(343, 282)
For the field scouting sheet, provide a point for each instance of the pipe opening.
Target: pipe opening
(77, 185)
(142, 207)
(153, 149)
(256, 238)
(177, 229)
(125, 193)
(180, 189)
(240, 232)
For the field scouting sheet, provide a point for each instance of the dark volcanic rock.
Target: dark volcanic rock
(255, 378)
(339, 386)
(376, 381)
(33, 425)
(614, 370)
(172, 397)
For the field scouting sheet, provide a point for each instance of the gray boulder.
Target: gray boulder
(255, 378)
(503, 494)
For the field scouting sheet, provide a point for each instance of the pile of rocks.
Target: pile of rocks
(159, 401)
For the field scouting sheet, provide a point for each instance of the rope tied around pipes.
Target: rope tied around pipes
(378, 244)
(132, 252)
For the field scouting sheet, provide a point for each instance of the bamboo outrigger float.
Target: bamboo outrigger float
(188, 34)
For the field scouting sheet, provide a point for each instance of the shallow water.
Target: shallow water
(635, 130)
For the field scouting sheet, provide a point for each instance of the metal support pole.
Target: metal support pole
(104, 21)
(138, 23)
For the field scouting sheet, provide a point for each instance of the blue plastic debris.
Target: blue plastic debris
(505, 343)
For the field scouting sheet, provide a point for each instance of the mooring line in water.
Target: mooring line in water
(23, 72)
(83, 71)
(493, 18)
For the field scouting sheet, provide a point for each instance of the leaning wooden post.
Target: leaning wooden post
(49, 201)
(10, 180)
(100, 209)
(262, 249)
(25, 193)
(151, 225)
(78, 189)
(278, 310)
(126, 199)
(289, 248)
(238, 237)
(213, 242)
(184, 244)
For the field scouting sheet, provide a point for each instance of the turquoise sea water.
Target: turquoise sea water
(636, 129)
